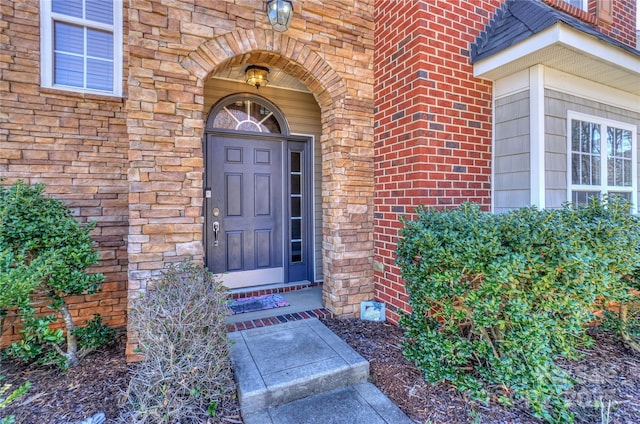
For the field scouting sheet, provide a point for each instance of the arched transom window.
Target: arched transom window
(246, 115)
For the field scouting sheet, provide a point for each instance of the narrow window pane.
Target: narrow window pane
(68, 7)
(575, 168)
(296, 206)
(99, 44)
(626, 144)
(594, 134)
(585, 169)
(296, 229)
(595, 170)
(295, 184)
(295, 162)
(585, 139)
(99, 74)
(100, 11)
(575, 135)
(68, 70)
(627, 174)
(296, 251)
(68, 38)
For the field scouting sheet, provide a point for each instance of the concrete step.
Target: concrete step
(283, 363)
(360, 403)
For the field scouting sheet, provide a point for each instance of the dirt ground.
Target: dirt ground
(609, 374)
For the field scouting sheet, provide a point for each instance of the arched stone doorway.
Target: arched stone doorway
(166, 114)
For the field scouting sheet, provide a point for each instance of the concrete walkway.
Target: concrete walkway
(300, 372)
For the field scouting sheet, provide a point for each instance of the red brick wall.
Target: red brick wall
(75, 144)
(432, 121)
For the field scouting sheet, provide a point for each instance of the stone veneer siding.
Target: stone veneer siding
(432, 121)
(174, 48)
(75, 144)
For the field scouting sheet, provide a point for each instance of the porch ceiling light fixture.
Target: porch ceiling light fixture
(280, 13)
(256, 75)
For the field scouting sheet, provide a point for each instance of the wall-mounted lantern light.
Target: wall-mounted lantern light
(256, 75)
(280, 13)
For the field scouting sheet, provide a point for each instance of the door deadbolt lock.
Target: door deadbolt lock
(216, 212)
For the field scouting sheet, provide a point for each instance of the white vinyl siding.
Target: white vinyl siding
(602, 159)
(81, 45)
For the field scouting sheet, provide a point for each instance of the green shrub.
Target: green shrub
(185, 375)
(7, 396)
(44, 254)
(496, 298)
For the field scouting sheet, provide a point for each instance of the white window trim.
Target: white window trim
(603, 122)
(46, 47)
(584, 4)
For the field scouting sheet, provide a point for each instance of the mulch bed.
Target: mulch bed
(608, 373)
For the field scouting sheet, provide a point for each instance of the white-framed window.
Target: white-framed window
(580, 4)
(602, 159)
(81, 45)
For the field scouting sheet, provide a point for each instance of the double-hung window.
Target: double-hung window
(602, 159)
(81, 45)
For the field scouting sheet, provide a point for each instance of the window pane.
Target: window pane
(595, 170)
(238, 110)
(626, 143)
(575, 168)
(582, 197)
(624, 194)
(99, 44)
(68, 7)
(224, 119)
(577, 3)
(100, 11)
(627, 174)
(296, 206)
(296, 229)
(68, 70)
(296, 251)
(68, 38)
(575, 135)
(270, 125)
(99, 74)
(594, 135)
(295, 161)
(295, 184)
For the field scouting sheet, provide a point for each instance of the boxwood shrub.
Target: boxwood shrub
(496, 298)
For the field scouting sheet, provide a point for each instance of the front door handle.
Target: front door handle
(216, 229)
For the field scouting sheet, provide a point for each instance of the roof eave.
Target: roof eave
(589, 52)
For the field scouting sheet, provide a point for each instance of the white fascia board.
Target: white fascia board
(531, 45)
(559, 33)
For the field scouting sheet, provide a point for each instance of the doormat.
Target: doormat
(257, 303)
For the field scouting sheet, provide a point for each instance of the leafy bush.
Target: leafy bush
(44, 256)
(5, 400)
(185, 375)
(496, 298)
